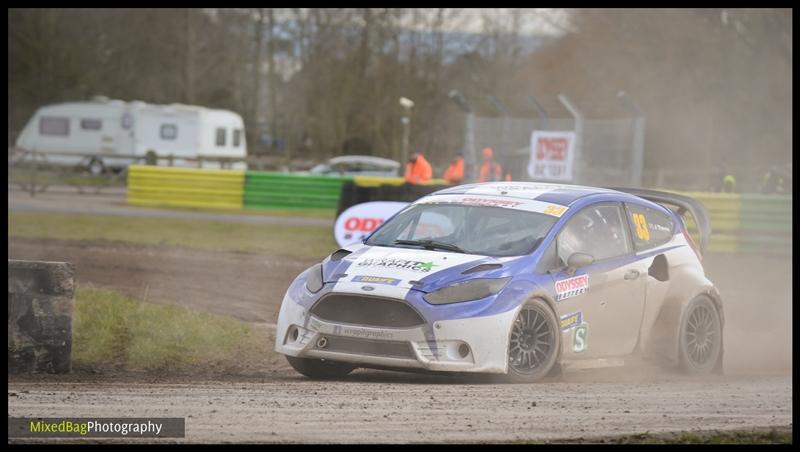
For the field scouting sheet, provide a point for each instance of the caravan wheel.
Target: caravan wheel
(96, 167)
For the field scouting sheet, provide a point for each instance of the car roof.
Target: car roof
(364, 159)
(562, 194)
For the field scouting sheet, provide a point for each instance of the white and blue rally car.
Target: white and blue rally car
(511, 278)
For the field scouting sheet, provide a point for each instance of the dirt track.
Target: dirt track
(384, 407)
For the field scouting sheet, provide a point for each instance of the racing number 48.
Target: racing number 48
(641, 226)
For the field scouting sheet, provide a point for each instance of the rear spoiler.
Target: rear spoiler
(683, 203)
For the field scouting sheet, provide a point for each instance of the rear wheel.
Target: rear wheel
(701, 337)
(319, 369)
(534, 343)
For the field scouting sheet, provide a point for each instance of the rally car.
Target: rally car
(511, 278)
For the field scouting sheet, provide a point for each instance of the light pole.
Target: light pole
(407, 104)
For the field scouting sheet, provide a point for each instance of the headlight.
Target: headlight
(314, 279)
(468, 290)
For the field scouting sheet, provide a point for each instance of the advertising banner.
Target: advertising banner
(358, 221)
(552, 155)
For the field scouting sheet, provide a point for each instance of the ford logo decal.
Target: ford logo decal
(367, 288)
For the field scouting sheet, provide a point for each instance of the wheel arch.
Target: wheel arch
(541, 294)
(662, 341)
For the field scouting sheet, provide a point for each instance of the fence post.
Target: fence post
(638, 139)
(578, 115)
(541, 111)
(470, 157)
(504, 146)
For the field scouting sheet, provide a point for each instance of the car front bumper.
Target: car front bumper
(475, 344)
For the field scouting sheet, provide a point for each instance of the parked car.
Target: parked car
(358, 165)
(112, 134)
(511, 278)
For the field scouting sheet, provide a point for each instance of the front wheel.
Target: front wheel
(534, 343)
(700, 337)
(319, 369)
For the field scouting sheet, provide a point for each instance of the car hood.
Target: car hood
(398, 267)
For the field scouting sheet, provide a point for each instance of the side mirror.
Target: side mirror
(578, 260)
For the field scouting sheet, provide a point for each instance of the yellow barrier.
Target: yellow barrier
(185, 187)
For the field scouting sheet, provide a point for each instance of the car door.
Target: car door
(601, 305)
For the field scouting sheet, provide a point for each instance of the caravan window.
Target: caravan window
(220, 136)
(169, 131)
(237, 137)
(91, 124)
(52, 125)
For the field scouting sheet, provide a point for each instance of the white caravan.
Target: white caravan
(113, 134)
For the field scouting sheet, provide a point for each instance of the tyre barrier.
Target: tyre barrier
(263, 189)
(747, 223)
(353, 193)
(41, 297)
(185, 187)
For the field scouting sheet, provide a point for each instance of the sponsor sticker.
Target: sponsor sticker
(417, 266)
(579, 339)
(571, 321)
(642, 230)
(376, 280)
(570, 287)
(555, 210)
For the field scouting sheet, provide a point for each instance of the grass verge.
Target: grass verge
(766, 435)
(113, 331)
(313, 242)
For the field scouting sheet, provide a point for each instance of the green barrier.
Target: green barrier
(263, 189)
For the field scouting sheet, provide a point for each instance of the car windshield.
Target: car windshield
(484, 230)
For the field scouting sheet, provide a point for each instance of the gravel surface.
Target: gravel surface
(388, 407)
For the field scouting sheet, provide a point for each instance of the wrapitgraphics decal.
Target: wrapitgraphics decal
(376, 280)
(362, 332)
(570, 321)
(570, 287)
(579, 338)
(416, 266)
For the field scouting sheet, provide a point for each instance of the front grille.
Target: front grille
(367, 347)
(368, 311)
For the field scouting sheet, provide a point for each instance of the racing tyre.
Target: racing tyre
(319, 369)
(534, 344)
(700, 337)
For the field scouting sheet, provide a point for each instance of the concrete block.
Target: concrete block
(41, 297)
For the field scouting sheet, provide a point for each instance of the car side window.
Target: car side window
(650, 227)
(598, 230)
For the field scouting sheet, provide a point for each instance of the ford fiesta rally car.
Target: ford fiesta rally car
(511, 278)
